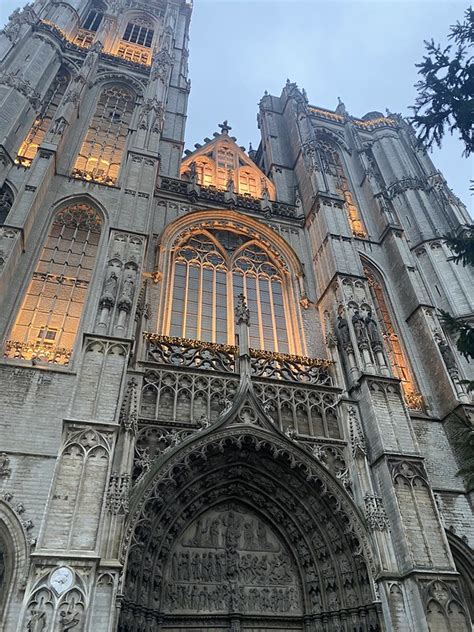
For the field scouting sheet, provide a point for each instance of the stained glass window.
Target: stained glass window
(43, 120)
(397, 357)
(211, 269)
(102, 150)
(48, 320)
(331, 164)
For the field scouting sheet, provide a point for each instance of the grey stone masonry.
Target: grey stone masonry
(227, 400)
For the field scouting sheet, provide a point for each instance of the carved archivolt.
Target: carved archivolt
(266, 482)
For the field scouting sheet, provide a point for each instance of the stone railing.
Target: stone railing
(209, 356)
(291, 368)
(186, 381)
(191, 354)
(235, 200)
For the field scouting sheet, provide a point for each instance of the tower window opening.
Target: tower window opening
(396, 352)
(137, 33)
(93, 20)
(102, 150)
(40, 127)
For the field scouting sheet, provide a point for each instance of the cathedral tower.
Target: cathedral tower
(227, 401)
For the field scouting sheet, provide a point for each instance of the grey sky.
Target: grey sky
(364, 52)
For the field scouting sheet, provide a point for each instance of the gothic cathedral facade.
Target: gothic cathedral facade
(227, 401)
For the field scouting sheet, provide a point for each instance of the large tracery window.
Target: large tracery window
(211, 268)
(48, 320)
(332, 165)
(40, 127)
(102, 150)
(397, 357)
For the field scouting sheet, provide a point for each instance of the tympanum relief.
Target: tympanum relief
(229, 560)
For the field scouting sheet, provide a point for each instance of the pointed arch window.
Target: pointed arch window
(40, 127)
(331, 164)
(6, 202)
(47, 322)
(397, 355)
(103, 147)
(211, 268)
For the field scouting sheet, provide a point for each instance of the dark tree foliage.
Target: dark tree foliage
(446, 91)
(463, 249)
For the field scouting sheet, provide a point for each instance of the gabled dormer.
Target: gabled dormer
(221, 163)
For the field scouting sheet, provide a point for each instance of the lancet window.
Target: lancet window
(137, 41)
(6, 202)
(397, 356)
(40, 127)
(211, 268)
(102, 150)
(331, 164)
(93, 20)
(48, 320)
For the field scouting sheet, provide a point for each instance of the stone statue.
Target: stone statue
(242, 312)
(128, 288)
(343, 331)
(110, 287)
(37, 621)
(359, 327)
(372, 329)
(448, 355)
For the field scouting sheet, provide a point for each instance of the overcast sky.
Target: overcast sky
(364, 52)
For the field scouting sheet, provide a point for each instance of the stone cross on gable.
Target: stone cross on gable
(225, 127)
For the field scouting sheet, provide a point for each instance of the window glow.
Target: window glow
(398, 360)
(102, 150)
(43, 121)
(211, 269)
(48, 320)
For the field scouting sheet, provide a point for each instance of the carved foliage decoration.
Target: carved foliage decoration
(181, 352)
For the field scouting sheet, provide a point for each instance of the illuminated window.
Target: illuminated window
(6, 202)
(135, 54)
(210, 270)
(84, 38)
(397, 357)
(248, 184)
(93, 20)
(204, 173)
(139, 32)
(42, 123)
(102, 150)
(48, 320)
(332, 165)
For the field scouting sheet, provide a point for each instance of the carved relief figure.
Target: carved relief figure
(229, 560)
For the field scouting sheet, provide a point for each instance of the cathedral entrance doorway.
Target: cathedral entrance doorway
(241, 534)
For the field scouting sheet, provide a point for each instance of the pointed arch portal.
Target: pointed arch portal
(240, 529)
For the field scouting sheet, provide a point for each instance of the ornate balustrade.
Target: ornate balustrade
(188, 380)
(218, 196)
